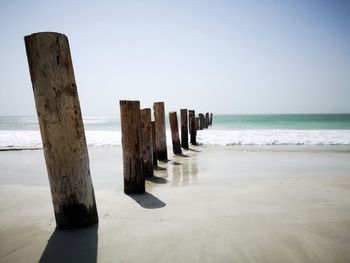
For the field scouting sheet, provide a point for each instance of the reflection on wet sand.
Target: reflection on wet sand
(194, 168)
(185, 174)
(176, 172)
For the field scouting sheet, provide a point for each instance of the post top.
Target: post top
(45, 33)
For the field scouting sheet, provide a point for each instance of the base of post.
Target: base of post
(76, 216)
(162, 155)
(133, 190)
(148, 169)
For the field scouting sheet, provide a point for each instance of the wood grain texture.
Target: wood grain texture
(134, 180)
(146, 131)
(201, 121)
(174, 128)
(161, 145)
(61, 127)
(193, 137)
(154, 147)
(191, 113)
(184, 129)
(206, 121)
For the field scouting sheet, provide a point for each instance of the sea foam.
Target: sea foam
(274, 137)
(17, 140)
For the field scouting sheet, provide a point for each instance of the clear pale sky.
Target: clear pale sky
(219, 56)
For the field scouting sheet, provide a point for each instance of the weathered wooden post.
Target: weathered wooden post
(146, 131)
(184, 129)
(154, 147)
(193, 130)
(191, 113)
(134, 180)
(197, 123)
(174, 128)
(207, 120)
(62, 130)
(201, 121)
(159, 116)
(211, 119)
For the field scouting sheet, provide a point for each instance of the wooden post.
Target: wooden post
(159, 116)
(154, 147)
(201, 121)
(193, 131)
(197, 123)
(134, 180)
(207, 120)
(62, 130)
(174, 128)
(211, 119)
(191, 113)
(184, 129)
(146, 131)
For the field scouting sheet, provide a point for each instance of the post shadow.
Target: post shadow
(175, 163)
(72, 245)
(164, 161)
(147, 200)
(158, 168)
(193, 150)
(157, 180)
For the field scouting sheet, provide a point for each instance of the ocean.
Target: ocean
(22, 132)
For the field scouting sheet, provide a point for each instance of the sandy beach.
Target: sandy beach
(219, 204)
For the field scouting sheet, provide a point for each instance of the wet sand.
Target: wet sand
(220, 204)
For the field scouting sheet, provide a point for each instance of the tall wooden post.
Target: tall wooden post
(207, 120)
(154, 147)
(146, 131)
(174, 128)
(184, 129)
(191, 113)
(159, 116)
(193, 131)
(211, 118)
(62, 130)
(201, 121)
(134, 180)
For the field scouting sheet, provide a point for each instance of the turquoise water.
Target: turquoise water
(284, 121)
(234, 122)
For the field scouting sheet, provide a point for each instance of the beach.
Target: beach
(218, 204)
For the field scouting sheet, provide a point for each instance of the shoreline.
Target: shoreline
(238, 147)
(243, 204)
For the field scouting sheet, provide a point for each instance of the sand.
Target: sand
(220, 204)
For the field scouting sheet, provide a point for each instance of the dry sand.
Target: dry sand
(232, 204)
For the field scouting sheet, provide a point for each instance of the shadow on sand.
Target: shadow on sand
(158, 168)
(72, 245)
(182, 155)
(193, 150)
(174, 163)
(157, 180)
(147, 200)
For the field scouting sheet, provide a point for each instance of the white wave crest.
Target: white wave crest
(274, 137)
(31, 139)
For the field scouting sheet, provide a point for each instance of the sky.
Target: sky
(226, 57)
